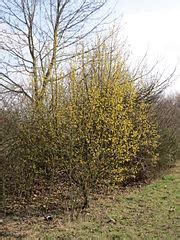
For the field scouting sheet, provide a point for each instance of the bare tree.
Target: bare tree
(151, 83)
(37, 36)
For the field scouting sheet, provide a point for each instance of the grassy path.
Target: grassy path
(150, 212)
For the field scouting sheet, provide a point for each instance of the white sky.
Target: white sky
(153, 26)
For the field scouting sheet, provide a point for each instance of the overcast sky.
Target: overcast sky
(153, 26)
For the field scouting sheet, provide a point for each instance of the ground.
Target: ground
(147, 212)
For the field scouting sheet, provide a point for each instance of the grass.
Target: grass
(149, 212)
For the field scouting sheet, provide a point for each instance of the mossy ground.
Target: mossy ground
(149, 212)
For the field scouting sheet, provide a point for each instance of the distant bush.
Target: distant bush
(167, 126)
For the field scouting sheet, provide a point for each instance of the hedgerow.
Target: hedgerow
(89, 129)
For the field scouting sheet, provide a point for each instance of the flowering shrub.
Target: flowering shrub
(89, 128)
